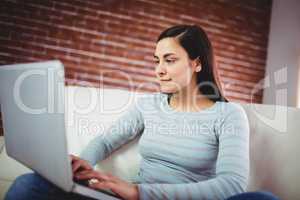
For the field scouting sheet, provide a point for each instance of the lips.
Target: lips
(166, 80)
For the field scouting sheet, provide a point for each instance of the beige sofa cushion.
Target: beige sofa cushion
(274, 149)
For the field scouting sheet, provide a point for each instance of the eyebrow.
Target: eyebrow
(166, 55)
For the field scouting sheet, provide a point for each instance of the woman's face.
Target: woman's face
(174, 69)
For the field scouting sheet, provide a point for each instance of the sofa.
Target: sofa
(274, 140)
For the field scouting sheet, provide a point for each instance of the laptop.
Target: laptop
(32, 106)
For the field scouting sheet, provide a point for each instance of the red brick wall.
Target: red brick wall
(116, 38)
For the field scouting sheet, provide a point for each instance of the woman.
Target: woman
(194, 144)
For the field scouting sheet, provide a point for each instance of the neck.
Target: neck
(189, 99)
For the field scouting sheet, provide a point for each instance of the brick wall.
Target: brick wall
(107, 42)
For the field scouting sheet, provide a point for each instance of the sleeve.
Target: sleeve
(123, 130)
(232, 166)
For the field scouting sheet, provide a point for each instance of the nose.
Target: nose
(160, 70)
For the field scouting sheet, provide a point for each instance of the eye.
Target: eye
(156, 61)
(170, 61)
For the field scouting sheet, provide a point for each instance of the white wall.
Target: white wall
(282, 83)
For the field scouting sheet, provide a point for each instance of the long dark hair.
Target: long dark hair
(197, 45)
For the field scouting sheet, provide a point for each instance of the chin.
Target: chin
(167, 90)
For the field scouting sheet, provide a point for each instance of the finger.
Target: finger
(103, 185)
(86, 165)
(80, 165)
(85, 171)
(75, 166)
(82, 172)
(109, 176)
(88, 174)
(106, 177)
(91, 171)
(74, 157)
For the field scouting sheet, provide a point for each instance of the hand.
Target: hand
(79, 164)
(102, 180)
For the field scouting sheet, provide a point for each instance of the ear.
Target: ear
(197, 64)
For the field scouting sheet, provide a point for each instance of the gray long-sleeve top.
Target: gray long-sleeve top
(185, 155)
